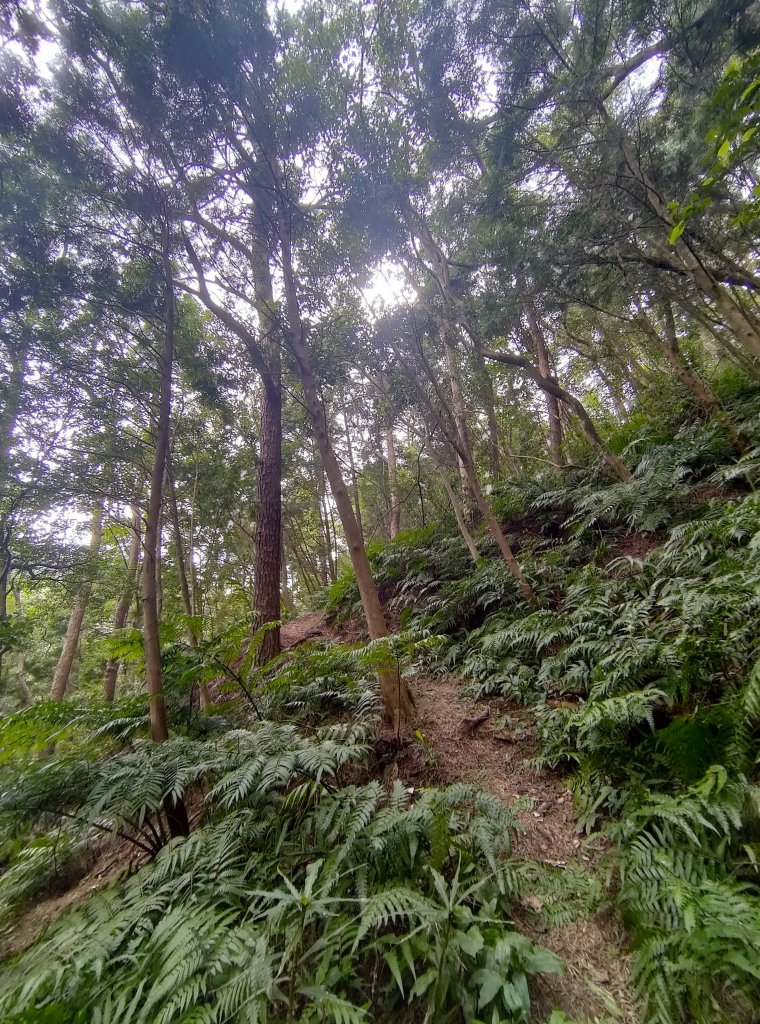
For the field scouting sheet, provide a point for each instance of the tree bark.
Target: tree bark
(621, 471)
(74, 629)
(204, 697)
(460, 418)
(544, 367)
(123, 602)
(394, 521)
(456, 506)
(352, 464)
(488, 401)
(176, 814)
(397, 698)
(267, 538)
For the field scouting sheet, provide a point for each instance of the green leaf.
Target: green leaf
(488, 983)
(470, 942)
(676, 233)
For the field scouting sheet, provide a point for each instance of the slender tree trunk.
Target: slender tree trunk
(191, 547)
(267, 541)
(614, 392)
(394, 521)
(8, 417)
(397, 698)
(352, 465)
(175, 811)
(668, 347)
(747, 363)
(460, 418)
(20, 657)
(264, 353)
(621, 471)
(123, 602)
(456, 506)
(464, 451)
(744, 327)
(158, 723)
(204, 697)
(488, 401)
(287, 597)
(544, 367)
(74, 629)
(443, 416)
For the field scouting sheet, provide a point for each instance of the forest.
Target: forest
(379, 516)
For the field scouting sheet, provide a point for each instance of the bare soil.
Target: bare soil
(593, 949)
(114, 859)
(306, 627)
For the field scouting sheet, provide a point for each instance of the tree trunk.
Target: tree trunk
(542, 357)
(488, 401)
(456, 505)
(287, 597)
(8, 416)
(744, 328)
(176, 814)
(267, 539)
(74, 629)
(352, 464)
(460, 418)
(394, 521)
(621, 471)
(204, 697)
(747, 363)
(464, 451)
(124, 600)
(399, 704)
(20, 657)
(669, 348)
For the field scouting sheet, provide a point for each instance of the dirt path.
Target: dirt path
(306, 627)
(467, 751)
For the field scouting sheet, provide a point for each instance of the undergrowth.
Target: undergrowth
(642, 667)
(306, 891)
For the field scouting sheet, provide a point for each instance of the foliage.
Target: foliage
(296, 895)
(642, 671)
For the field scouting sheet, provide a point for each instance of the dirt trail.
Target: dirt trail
(466, 751)
(306, 627)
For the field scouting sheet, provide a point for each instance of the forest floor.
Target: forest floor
(454, 742)
(458, 745)
(495, 754)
